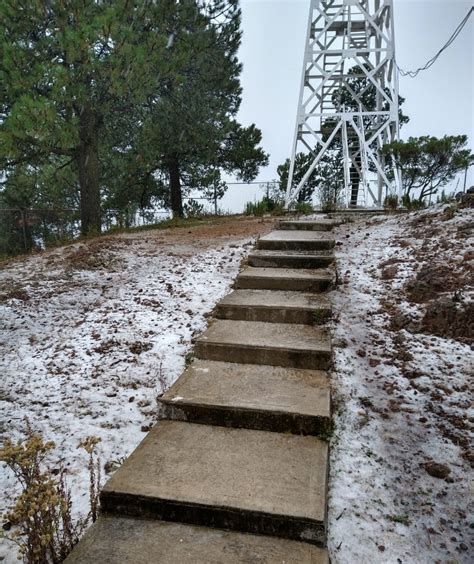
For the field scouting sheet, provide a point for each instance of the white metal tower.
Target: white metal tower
(349, 96)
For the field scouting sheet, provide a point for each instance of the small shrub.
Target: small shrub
(303, 207)
(161, 377)
(449, 212)
(278, 208)
(192, 208)
(89, 445)
(264, 206)
(42, 513)
(255, 208)
(402, 519)
(444, 198)
(412, 204)
(14, 292)
(391, 202)
(328, 207)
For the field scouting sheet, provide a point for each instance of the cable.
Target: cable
(450, 41)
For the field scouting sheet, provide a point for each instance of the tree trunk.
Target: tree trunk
(88, 165)
(175, 188)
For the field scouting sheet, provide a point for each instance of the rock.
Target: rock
(389, 272)
(138, 347)
(400, 321)
(448, 213)
(467, 200)
(413, 374)
(436, 469)
(390, 261)
(465, 230)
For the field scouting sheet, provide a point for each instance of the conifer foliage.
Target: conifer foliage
(130, 97)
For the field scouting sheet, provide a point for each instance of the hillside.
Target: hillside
(402, 389)
(92, 332)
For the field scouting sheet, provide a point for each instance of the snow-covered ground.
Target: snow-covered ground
(89, 334)
(402, 397)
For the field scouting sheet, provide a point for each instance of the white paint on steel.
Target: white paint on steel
(343, 36)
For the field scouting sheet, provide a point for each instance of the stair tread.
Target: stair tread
(275, 299)
(307, 224)
(291, 258)
(290, 273)
(252, 387)
(258, 334)
(290, 253)
(296, 240)
(128, 540)
(314, 280)
(252, 472)
(296, 236)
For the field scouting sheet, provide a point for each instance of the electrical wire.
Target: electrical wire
(450, 41)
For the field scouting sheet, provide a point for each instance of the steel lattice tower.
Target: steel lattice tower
(349, 96)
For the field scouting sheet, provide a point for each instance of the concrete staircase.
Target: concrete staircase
(236, 469)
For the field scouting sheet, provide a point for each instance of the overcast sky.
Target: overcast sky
(439, 101)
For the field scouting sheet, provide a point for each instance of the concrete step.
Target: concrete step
(296, 241)
(307, 224)
(296, 279)
(266, 398)
(250, 481)
(128, 540)
(274, 307)
(291, 259)
(275, 344)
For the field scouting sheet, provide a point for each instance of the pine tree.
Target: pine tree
(67, 67)
(130, 97)
(428, 163)
(189, 133)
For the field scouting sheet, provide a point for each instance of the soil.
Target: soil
(434, 279)
(98, 253)
(208, 234)
(400, 453)
(448, 318)
(92, 332)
